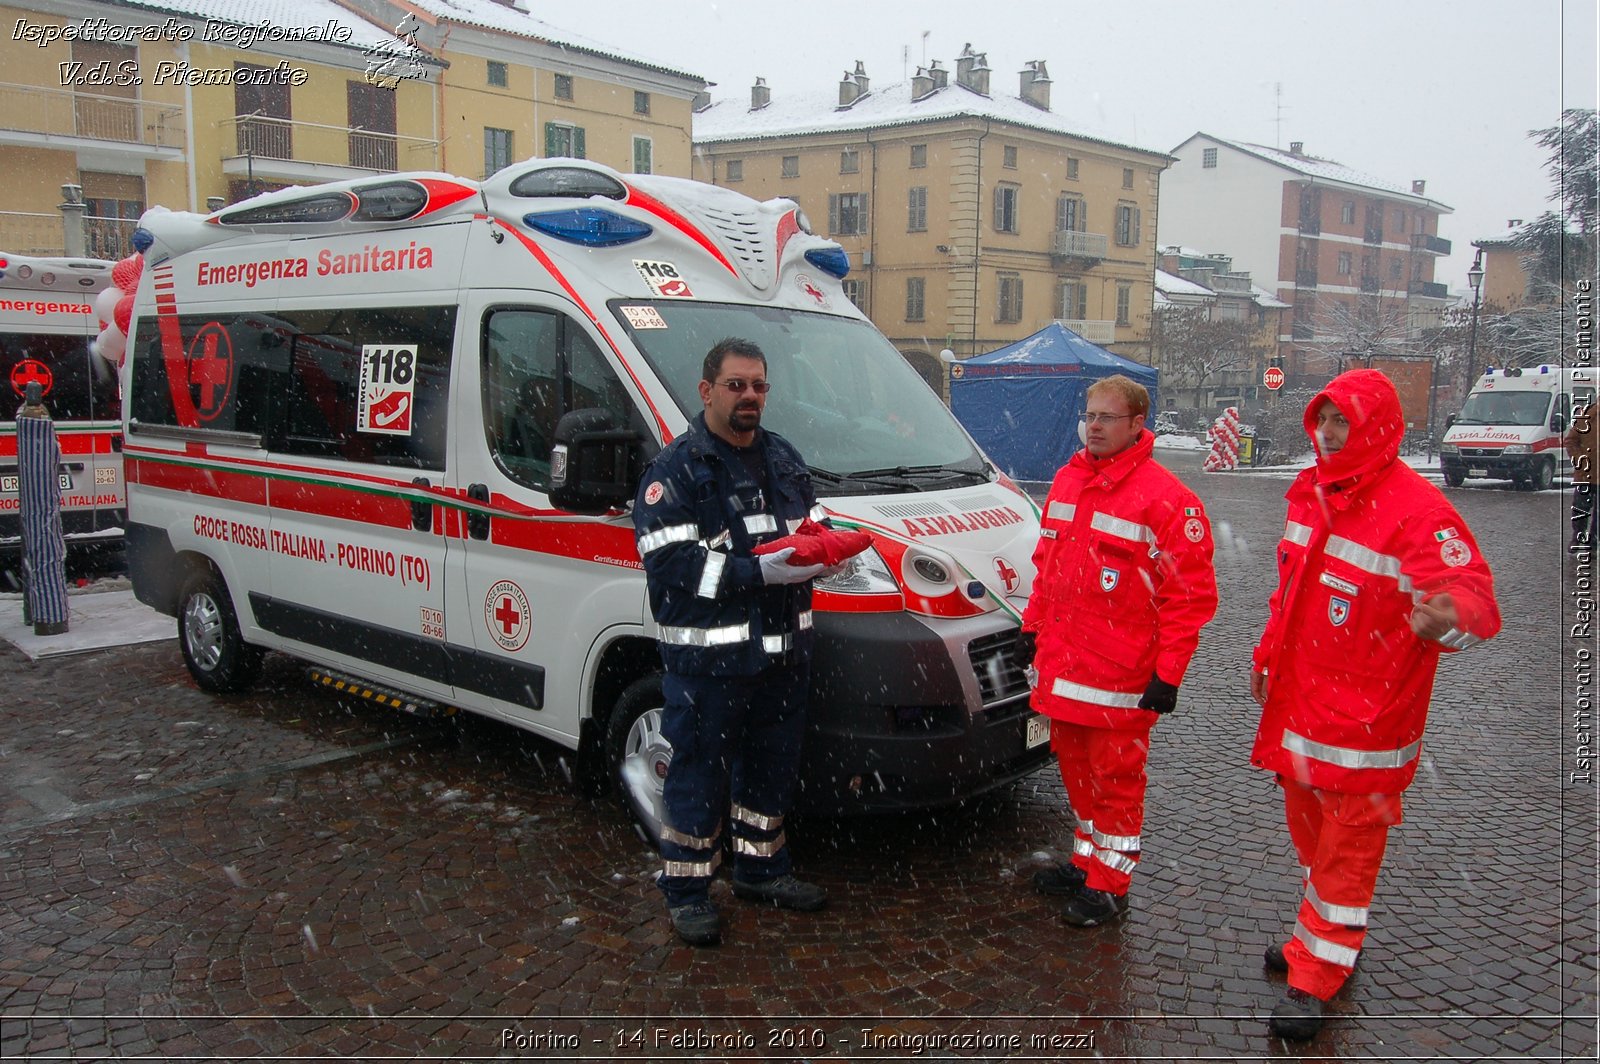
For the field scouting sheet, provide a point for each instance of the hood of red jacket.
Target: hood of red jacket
(1370, 403)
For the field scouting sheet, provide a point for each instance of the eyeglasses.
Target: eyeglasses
(1104, 419)
(737, 386)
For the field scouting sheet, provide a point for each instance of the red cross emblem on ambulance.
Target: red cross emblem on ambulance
(29, 371)
(1008, 576)
(505, 612)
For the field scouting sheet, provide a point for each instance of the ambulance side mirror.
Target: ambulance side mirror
(593, 463)
(1449, 419)
(1558, 422)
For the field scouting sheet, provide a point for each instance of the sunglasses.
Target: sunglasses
(738, 386)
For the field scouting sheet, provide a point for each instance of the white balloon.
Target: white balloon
(110, 344)
(105, 304)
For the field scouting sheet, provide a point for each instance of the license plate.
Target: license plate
(1038, 731)
(1476, 472)
(11, 484)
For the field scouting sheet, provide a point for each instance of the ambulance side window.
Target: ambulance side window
(370, 385)
(229, 372)
(538, 365)
(77, 385)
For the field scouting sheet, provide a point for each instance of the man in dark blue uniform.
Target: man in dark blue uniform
(735, 636)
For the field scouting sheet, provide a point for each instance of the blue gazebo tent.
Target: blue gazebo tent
(1022, 403)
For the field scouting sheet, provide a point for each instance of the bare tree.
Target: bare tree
(1374, 326)
(1191, 349)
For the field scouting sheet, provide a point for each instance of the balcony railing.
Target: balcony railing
(1433, 245)
(108, 238)
(23, 233)
(1373, 234)
(1310, 226)
(1098, 332)
(1074, 245)
(1302, 330)
(1430, 289)
(1305, 278)
(262, 137)
(1369, 284)
(114, 119)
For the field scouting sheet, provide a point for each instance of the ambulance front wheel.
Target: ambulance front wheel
(1544, 474)
(1454, 477)
(208, 628)
(637, 754)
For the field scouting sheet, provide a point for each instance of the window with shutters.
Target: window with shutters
(1127, 178)
(919, 156)
(563, 141)
(496, 150)
(1127, 225)
(1072, 301)
(916, 290)
(733, 170)
(643, 155)
(641, 103)
(497, 74)
(847, 213)
(791, 166)
(1008, 157)
(1071, 214)
(917, 210)
(1347, 213)
(1072, 168)
(1124, 302)
(1346, 264)
(1005, 208)
(855, 291)
(1010, 302)
(563, 86)
(849, 161)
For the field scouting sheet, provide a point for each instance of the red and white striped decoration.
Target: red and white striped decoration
(1224, 442)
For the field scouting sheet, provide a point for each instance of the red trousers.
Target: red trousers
(1103, 769)
(1340, 839)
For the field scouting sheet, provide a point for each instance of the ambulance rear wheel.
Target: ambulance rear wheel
(637, 754)
(208, 629)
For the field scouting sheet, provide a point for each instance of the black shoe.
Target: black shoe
(786, 892)
(1275, 960)
(50, 628)
(1297, 1016)
(697, 923)
(1091, 908)
(1059, 881)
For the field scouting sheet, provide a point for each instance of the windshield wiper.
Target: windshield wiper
(913, 472)
(839, 479)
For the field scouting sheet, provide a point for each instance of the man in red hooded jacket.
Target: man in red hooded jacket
(1377, 576)
(1124, 584)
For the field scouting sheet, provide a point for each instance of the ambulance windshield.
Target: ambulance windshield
(862, 417)
(1505, 408)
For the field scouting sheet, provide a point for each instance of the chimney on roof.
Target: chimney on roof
(701, 101)
(1514, 223)
(853, 86)
(940, 76)
(921, 84)
(1418, 187)
(1036, 84)
(972, 70)
(760, 95)
(1297, 147)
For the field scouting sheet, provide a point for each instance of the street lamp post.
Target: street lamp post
(1475, 279)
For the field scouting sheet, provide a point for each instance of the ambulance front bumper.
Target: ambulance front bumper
(905, 715)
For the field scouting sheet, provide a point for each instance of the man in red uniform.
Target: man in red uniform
(1377, 576)
(1124, 584)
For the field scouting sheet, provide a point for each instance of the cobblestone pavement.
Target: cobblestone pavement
(287, 875)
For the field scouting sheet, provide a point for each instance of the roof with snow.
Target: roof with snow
(1267, 299)
(1503, 239)
(1324, 169)
(792, 114)
(487, 14)
(1171, 284)
(286, 14)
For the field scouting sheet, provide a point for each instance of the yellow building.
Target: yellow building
(1506, 282)
(192, 103)
(972, 218)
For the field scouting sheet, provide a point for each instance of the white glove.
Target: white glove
(775, 568)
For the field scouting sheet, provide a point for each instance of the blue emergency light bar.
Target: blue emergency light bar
(830, 260)
(592, 227)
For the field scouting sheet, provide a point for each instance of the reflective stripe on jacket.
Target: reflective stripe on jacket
(697, 517)
(1124, 584)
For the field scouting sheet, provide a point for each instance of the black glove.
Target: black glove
(1027, 645)
(1160, 696)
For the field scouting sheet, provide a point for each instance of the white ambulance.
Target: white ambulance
(392, 427)
(47, 322)
(1511, 426)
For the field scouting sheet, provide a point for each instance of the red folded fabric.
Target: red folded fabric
(816, 544)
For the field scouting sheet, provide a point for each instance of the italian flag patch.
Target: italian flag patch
(1445, 534)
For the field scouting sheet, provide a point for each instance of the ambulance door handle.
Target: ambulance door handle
(478, 524)
(422, 510)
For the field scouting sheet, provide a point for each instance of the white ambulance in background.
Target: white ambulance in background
(1512, 424)
(47, 321)
(393, 426)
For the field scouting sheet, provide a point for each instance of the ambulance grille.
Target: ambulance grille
(994, 662)
(983, 501)
(742, 233)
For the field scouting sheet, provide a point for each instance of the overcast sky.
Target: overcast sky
(1444, 90)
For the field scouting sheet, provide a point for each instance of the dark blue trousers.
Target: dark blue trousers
(735, 757)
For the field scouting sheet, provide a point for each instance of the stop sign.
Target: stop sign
(1273, 378)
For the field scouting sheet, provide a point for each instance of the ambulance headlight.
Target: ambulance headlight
(1448, 448)
(864, 574)
(1518, 448)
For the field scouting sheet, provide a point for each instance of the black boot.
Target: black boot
(786, 892)
(1091, 908)
(697, 922)
(1059, 881)
(1297, 1016)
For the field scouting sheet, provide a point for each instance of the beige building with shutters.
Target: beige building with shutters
(973, 216)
